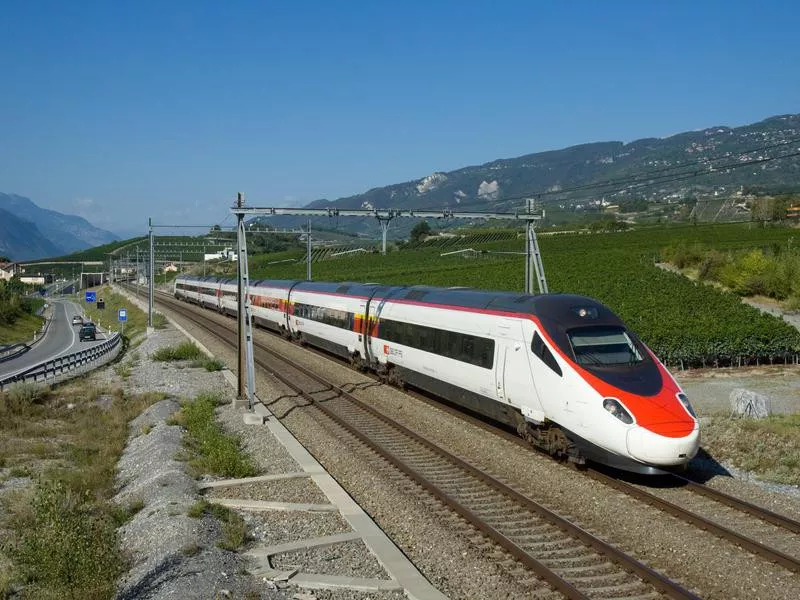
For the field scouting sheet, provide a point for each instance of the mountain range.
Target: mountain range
(28, 232)
(716, 162)
(712, 162)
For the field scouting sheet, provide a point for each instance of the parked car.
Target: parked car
(88, 332)
(77, 320)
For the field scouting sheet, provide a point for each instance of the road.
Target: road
(61, 339)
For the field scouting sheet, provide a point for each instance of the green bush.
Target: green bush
(67, 550)
(184, 351)
(711, 265)
(159, 320)
(213, 450)
(21, 398)
(209, 364)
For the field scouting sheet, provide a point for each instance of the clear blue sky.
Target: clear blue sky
(119, 111)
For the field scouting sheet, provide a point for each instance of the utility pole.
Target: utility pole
(152, 274)
(308, 251)
(241, 389)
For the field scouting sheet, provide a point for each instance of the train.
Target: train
(563, 370)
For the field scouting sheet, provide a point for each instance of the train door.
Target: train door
(553, 390)
(514, 380)
(517, 380)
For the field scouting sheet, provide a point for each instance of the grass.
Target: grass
(184, 351)
(159, 320)
(21, 330)
(61, 540)
(768, 447)
(210, 449)
(108, 317)
(209, 364)
(234, 530)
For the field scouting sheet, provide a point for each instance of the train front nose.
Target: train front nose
(653, 448)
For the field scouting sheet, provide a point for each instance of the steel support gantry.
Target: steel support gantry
(534, 269)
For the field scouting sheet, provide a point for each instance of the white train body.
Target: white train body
(562, 369)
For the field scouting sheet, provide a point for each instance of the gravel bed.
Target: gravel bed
(269, 528)
(288, 490)
(172, 554)
(351, 559)
(269, 456)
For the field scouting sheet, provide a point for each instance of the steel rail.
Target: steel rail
(741, 505)
(784, 560)
(648, 575)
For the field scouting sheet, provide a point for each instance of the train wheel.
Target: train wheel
(556, 443)
(357, 362)
(394, 378)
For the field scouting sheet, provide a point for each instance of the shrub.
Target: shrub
(209, 364)
(68, 548)
(21, 399)
(212, 449)
(711, 266)
(159, 320)
(184, 351)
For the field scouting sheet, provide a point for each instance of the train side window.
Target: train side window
(543, 352)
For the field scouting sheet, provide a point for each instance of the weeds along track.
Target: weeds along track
(571, 560)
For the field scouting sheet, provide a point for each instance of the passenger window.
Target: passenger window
(543, 352)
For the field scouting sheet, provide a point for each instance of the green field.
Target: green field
(687, 324)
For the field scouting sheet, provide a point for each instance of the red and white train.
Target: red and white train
(562, 369)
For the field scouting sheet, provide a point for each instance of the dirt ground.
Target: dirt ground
(709, 390)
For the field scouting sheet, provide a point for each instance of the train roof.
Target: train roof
(564, 309)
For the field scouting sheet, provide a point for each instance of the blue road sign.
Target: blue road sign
(91, 296)
(123, 314)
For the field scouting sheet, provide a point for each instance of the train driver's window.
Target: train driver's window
(540, 349)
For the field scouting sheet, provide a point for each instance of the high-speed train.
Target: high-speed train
(563, 370)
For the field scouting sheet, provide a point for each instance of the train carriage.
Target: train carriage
(564, 370)
(269, 301)
(329, 316)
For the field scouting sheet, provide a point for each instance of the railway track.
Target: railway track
(783, 545)
(571, 560)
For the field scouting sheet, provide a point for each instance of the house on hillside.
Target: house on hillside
(224, 254)
(170, 268)
(7, 271)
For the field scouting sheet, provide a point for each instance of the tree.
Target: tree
(419, 231)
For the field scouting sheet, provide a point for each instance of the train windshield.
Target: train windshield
(600, 346)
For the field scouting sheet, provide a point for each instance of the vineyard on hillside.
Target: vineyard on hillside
(685, 323)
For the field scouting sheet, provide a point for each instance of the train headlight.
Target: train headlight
(685, 401)
(613, 406)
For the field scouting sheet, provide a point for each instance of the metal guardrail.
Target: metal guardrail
(10, 351)
(54, 369)
(14, 350)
